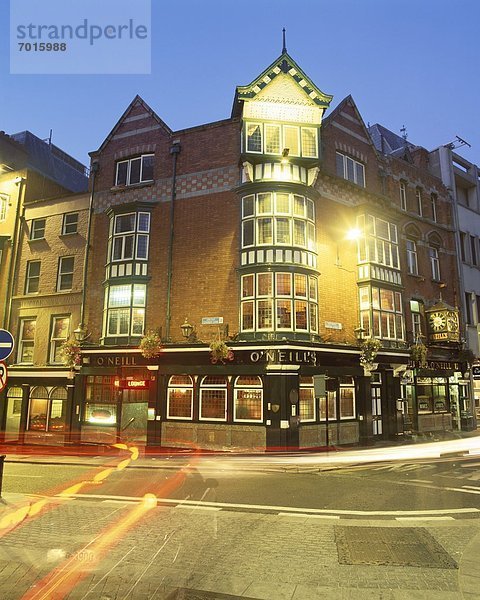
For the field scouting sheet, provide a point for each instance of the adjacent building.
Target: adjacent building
(43, 227)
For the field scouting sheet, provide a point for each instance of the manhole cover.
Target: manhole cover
(393, 546)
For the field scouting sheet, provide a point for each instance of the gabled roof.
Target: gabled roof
(283, 64)
(388, 142)
(137, 101)
(348, 100)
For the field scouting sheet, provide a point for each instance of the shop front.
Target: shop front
(275, 396)
(437, 397)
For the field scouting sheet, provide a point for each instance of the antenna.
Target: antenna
(458, 142)
(284, 49)
(404, 133)
(49, 138)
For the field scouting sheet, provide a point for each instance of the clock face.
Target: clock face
(438, 321)
(452, 322)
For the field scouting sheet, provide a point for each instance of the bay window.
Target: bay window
(125, 310)
(273, 138)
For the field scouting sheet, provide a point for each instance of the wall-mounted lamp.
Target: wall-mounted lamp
(360, 333)
(81, 334)
(187, 329)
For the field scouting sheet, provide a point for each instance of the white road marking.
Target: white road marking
(462, 490)
(18, 475)
(424, 519)
(307, 516)
(273, 508)
(194, 507)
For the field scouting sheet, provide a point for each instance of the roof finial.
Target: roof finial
(284, 49)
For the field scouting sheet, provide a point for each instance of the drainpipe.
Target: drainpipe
(94, 171)
(12, 270)
(174, 151)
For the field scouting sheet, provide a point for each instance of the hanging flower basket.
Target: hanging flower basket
(150, 345)
(418, 354)
(368, 352)
(220, 352)
(70, 353)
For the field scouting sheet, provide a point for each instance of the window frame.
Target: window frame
(4, 199)
(34, 229)
(65, 225)
(242, 388)
(355, 164)
(205, 387)
(56, 342)
(188, 388)
(129, 162)
(434, 257)
(25, 341)
(29, 277)
(61, 273)
(403, 195)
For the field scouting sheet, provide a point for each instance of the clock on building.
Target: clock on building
(443, 323)
(452, 322)
(438, 321)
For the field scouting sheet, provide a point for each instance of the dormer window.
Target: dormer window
(134, 170)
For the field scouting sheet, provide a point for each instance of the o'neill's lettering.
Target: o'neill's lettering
(115, 361)
(304, 357)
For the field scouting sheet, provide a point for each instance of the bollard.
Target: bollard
(2, 461)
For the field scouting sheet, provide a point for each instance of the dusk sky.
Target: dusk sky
(405, 62)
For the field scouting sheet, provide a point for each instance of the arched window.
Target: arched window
(307, 399)
(180, 397)
(38, 410)
(213, 398)
(248, 399)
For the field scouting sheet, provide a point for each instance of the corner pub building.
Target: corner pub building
(238, 230)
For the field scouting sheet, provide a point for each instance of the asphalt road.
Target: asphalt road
(421, 485)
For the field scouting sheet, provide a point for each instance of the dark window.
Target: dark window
(135, 170)
(65, 273)
(37, 231)
(33, 276)
(70, 223)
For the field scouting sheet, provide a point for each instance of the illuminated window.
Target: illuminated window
(213, 398)
(416, 308)
(65, 273)
(134, 170)
(280, 219)
(180, 397)
(282, 302)
(59, 335)
(126, 310)
(350, 169)
(381, 313)
(248, 399)
(32, 279)
(70, 223)
(273, 138)
(46, 412)
(101, 400)
(380, 242)
(26, 342)
(37, 230)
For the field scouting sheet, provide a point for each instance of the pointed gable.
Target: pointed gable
(282, 92)
(346, 117)
(137, 119)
